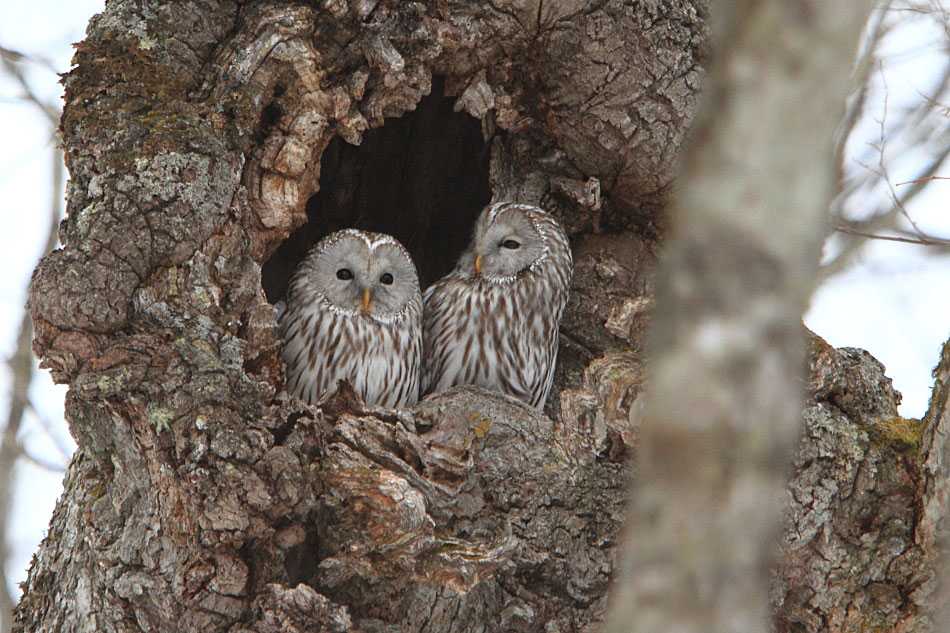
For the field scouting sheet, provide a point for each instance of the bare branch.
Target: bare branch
(47, 425)
(920, 180)
(17, 56)
(923, 241)
(11, 60)
(39, 461)
(901, 133)
(21, 368)
(885, 176)
(21, 362)
(856, 106)
(881, 220)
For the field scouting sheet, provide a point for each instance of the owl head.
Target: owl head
(361, 274)
(508, 238)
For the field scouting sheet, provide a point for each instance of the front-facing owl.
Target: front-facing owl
(354, 310)
(493, 321)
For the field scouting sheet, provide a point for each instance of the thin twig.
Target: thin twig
(925, 179)
(921, 241)
(16, 56)
(47, 426)
(11, 63)
(857, 105)
(40, 462)
(883, 166)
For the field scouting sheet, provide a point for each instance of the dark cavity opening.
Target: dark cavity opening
(302, 560)
(422, 177)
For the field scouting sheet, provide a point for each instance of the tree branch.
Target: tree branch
(920, 180)
(21, 368)
(922, 241)
(11, 60)
(47, 426)
(21, 362)
(916, 126)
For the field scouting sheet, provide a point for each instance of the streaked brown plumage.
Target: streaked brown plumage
(493, 321)
(353, 310)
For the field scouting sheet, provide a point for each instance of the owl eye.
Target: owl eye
(386, 278)
(511, 244)
(345, 274)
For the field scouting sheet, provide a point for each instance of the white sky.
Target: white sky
(894, 303)
(25, 204)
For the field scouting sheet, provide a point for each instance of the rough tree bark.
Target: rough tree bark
(209, 143)
(866, 531)
(197, 133)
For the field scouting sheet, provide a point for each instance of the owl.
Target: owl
(493, 320)
(354, 310)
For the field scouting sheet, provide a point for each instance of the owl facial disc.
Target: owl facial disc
(353, 311)
(360, 276)
(504, 246)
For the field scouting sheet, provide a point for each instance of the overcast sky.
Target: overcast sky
(895, 303)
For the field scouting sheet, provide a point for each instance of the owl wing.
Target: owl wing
(523, 363)
(437, 346)
(430, 322)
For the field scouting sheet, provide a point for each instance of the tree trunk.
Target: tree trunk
(722, 419)
(209, 145)
(866, 528)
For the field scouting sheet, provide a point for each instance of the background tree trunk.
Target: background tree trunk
(725, 402)
(209, 145)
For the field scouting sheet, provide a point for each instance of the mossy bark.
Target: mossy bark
(860, 548)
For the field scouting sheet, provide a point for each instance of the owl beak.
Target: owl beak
(478, 264)
(366, 299)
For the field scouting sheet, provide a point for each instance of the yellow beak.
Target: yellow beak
(478, 264)
(366, 298)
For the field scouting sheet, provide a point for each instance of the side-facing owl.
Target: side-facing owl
(493, 321)
(353, 310)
